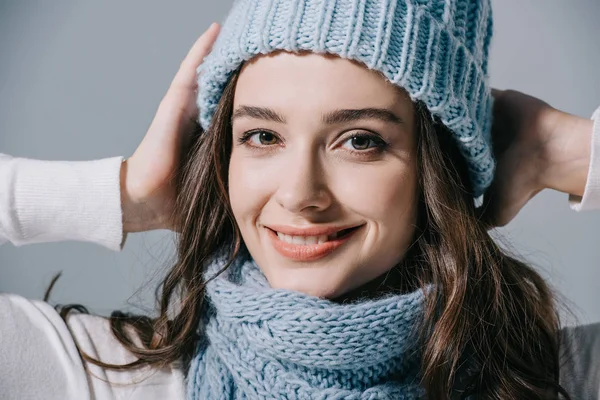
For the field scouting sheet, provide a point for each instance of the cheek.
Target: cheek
(249, 186)
(384, 195)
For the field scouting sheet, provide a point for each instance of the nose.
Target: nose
(303, 185)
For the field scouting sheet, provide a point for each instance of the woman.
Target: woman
(331, 247)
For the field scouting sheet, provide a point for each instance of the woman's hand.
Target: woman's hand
(536, 146)
(147, 187)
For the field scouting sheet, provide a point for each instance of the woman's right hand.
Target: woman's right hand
(536, 147)
(147, 187)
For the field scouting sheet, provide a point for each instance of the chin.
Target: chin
(304, 282)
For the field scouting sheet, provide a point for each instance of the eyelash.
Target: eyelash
(247, 135)
(379, 144)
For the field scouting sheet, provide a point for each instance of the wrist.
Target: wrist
(137, 215)
(568, 149)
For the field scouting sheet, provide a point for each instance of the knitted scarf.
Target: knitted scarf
(265, 343)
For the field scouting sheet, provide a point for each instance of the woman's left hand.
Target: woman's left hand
(536, 147)
(148, 190)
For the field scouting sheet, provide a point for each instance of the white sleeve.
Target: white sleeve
(93, 335)
(591, 194)
(47, 201)
(38, 357)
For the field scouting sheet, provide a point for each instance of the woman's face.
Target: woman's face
(322, 178)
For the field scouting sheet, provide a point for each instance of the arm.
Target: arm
(45, 201)
(101, 201)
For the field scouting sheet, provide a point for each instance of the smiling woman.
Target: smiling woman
(275, 171)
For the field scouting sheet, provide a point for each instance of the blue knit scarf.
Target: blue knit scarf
(265, 343)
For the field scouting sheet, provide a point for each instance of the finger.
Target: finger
(496, 92)
(186, 76)
(202, 47)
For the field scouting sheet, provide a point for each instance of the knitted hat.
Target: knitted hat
(436, 50)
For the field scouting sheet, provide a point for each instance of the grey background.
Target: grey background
(82, 80)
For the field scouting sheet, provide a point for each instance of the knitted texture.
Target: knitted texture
(265, 343)
(437, 50)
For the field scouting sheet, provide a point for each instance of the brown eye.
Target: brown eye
(259, 138)
(360, 142)
(363, 142)
(266, 138)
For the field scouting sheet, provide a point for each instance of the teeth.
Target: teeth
(311, 240)
(284, 238)
(304, 240)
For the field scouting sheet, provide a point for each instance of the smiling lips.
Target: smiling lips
(308, 244)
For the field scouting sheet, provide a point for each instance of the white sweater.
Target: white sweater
(43, 201)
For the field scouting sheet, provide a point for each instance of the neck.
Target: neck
(394, 281)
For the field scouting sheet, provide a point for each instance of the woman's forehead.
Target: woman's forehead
(285, 79)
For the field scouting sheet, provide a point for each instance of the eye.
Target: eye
(259, 138)
(364, 141)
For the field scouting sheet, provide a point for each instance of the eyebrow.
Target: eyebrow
(331, 118)
(342, 116)
(263, 113)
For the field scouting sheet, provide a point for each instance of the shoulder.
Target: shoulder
(580, 369)
(94, 337)
(39, 357)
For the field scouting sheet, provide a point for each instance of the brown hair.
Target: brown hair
(491, 327)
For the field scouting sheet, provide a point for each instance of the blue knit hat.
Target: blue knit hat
(437, 50)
